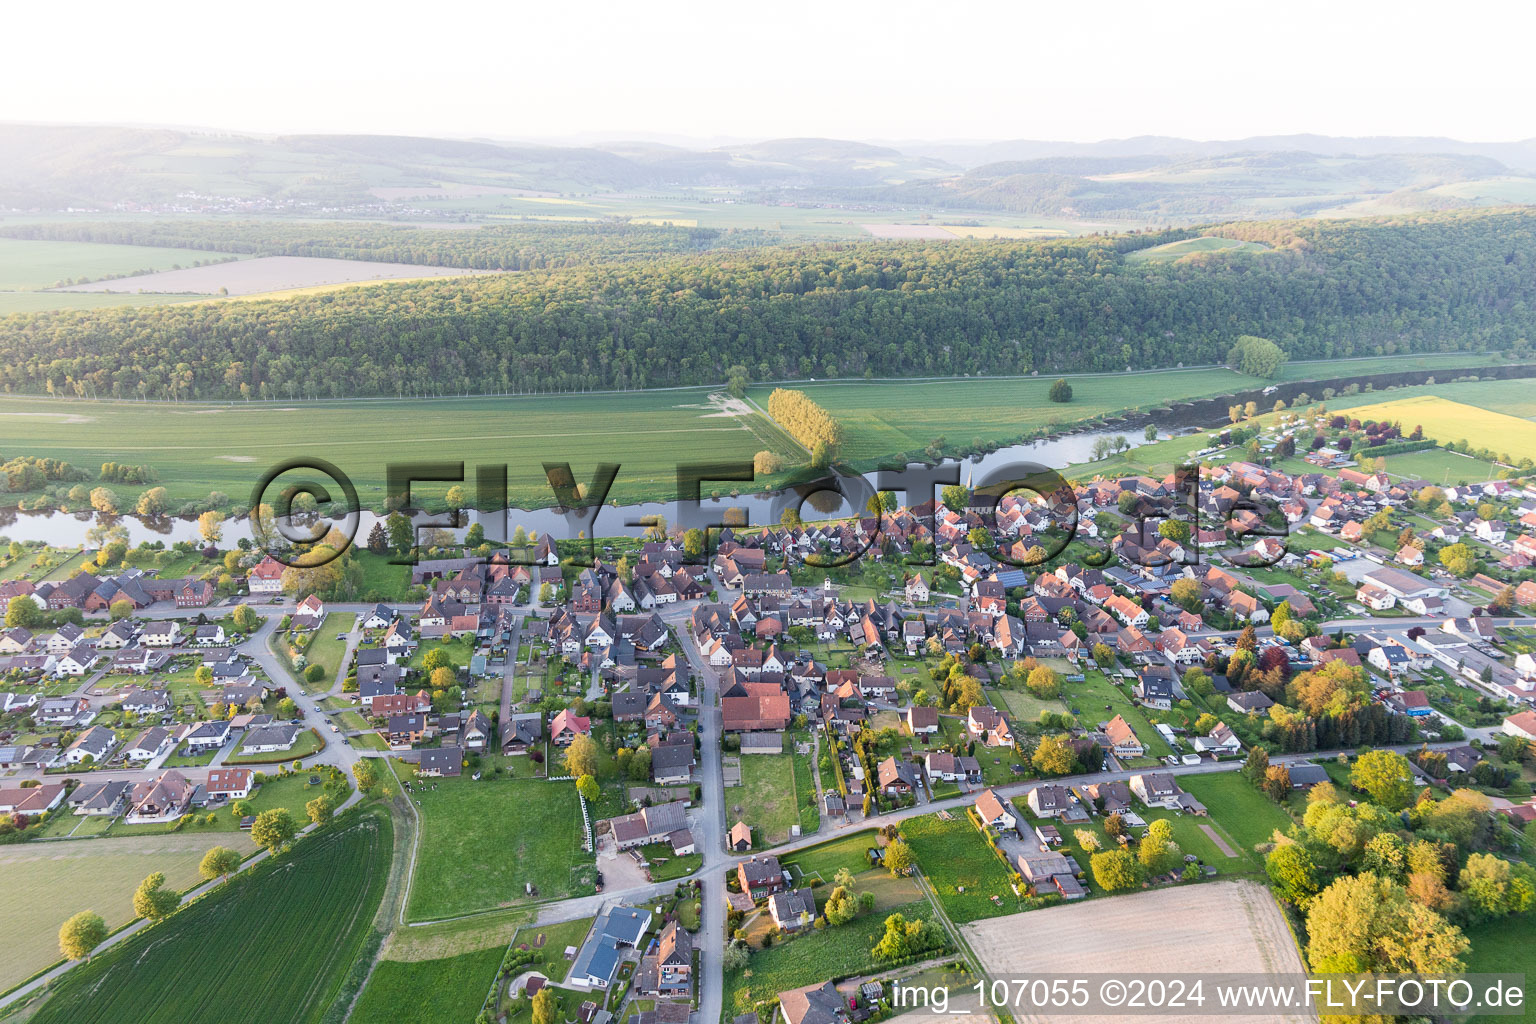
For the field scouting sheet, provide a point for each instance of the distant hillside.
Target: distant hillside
(1149, 179)
(58, 166)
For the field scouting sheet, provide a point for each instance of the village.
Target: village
(705, 751)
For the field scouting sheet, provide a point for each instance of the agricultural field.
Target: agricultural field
(886, 417)
(48, 882)
(196, 449)
(814, 957)
(262, 274)
(454, 938)
(955, 857)
(1228, 927)
(1447, 421)
(38, 302)
(293, 925)
(1193, 246)
(29, 266)
(446, 991)
(481, 842)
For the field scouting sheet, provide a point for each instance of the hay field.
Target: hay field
(1447, 421)
(1218, 927)
(47, 882)
(1189, 246)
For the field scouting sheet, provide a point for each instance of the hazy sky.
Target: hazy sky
(890, 70)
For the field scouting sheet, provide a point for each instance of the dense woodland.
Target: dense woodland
(1441, 282)
(520, 246)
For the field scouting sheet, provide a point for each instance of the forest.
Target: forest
(1433, 282)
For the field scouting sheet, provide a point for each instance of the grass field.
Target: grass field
(326, 650)
(1439, 466)
(825, 859)
(48, 882)
(888, 417)
(271, 945)
(1247, 815)
(454, 938)
(199, 448)
(37, 302)
(482, 841)
(27, 265)
(1191, 246)
(1504, 946)
(447, 991)
(1446, 421)
(955, 857)
(829, 953)
(766, 797)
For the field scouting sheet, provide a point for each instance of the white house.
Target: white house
(91, 746)
(267, 577)
(161, 633)
(1222, 741)
(993, 812)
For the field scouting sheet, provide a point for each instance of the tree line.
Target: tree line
(1448, 282)
(806, 422)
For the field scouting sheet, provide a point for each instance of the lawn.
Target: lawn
(1088, 699)
(825, 859)
(954, 856)
(294, 926)
(665, 867)
(459, 650)
(833, 953)
(48, 882)
(1024, 706)
(292, 791)
(1187, 833)
(482, 841)
(447, 991)
(1244, 813)
(1501, 947)
(550, 941)
(308, 743)
(765, 799)
(324, 649)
